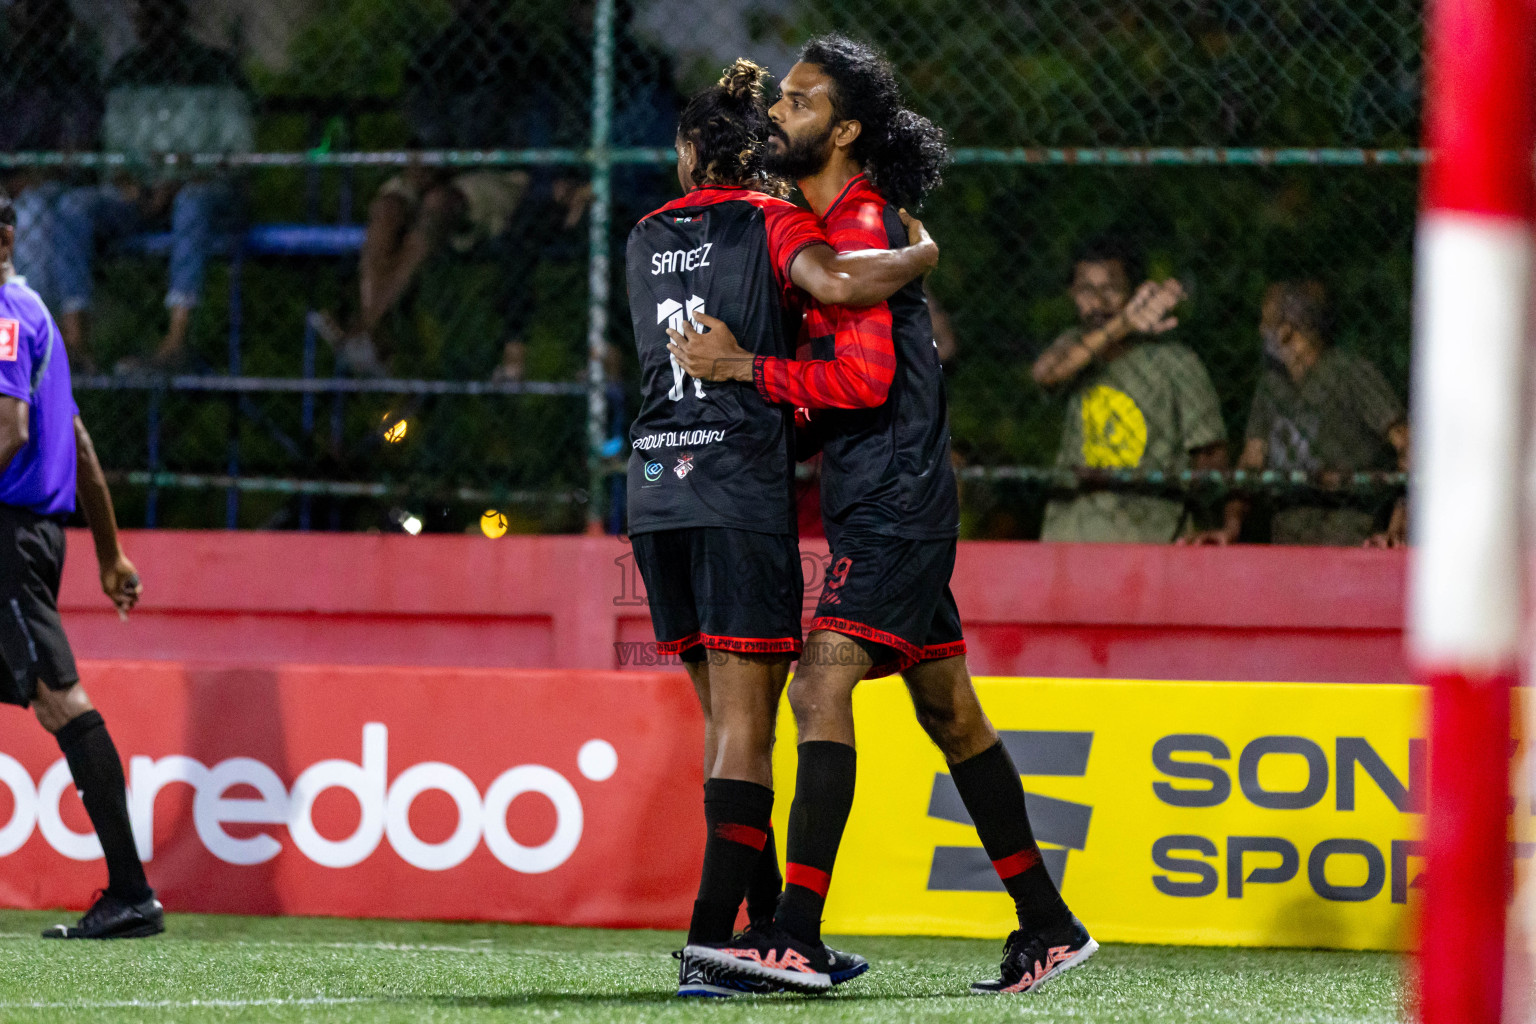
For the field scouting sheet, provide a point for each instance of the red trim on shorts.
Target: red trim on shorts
(936, 651)
(751, 645)
(807, 877)
(676, 646)
(1016, 864)
(736, 644)
(863, 632)
(746, 835)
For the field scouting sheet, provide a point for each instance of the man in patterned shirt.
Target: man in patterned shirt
(1135, 402)
(1323, 412)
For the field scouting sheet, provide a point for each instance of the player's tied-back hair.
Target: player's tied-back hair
(903, 152)
(728, 126)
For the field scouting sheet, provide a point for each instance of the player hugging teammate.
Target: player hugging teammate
(876, 401)
(710, 481)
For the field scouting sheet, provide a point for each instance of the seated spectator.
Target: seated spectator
(472, 86)
(1134, 402)
(169, 94)
(1322, 412)
(51, 95)
(497, 78)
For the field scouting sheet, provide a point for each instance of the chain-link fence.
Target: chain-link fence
(273, 230)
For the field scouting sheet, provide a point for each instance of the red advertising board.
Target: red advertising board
(535, 796)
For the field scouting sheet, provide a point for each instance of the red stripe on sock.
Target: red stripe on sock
(808, 877)
(746, 835)
(1016, 864)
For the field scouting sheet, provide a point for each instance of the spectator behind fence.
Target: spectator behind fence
(1134, 403)
(477, 84)
(169, 94)
(50, 96)
(1320, 411)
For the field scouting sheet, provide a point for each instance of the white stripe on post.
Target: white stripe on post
(1473, 271)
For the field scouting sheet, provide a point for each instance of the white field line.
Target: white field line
(402, 947)
(178, 1004)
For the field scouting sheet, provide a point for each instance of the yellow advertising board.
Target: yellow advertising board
(1262, 814)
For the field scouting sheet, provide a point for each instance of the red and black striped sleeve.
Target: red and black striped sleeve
(790, 231)
(857, 377)
(864, 355)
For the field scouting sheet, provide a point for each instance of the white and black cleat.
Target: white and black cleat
(771, 955)
(697, 977)
(1029, 961)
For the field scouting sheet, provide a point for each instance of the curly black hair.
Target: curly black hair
(728, 126)
(903, 152)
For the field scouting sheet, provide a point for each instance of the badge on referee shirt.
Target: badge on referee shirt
(10, 340)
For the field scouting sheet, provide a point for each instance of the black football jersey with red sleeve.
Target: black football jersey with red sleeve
(713, 453)
(877, 393)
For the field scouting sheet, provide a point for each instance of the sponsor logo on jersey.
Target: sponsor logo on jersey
(653, 471)
(678, 439)
(10, 340)
(684, 466)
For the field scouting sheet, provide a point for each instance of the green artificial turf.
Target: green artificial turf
(208, 968)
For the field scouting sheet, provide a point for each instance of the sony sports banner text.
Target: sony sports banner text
(1264, 814)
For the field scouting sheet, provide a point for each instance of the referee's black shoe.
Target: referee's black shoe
(112, 918)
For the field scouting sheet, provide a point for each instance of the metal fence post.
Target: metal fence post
(601, 159)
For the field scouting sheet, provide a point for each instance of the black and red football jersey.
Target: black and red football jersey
(713, 453)
(877, 389)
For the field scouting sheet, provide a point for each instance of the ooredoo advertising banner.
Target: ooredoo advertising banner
(1263, 814)
(558, 797)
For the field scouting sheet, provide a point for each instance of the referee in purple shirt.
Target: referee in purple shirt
(43, 444)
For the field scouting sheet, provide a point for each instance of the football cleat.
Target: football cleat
(1029, 961)
(771, 955)
(111, 918)
(698, 977)
(844, 966)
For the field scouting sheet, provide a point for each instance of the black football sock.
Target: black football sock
(823, 799)
(737, 815)
(990, 788)
(98, 774)
(767, 884)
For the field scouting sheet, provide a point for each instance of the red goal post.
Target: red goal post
(1470, 368)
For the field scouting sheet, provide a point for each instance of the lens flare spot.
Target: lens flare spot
(493, 523)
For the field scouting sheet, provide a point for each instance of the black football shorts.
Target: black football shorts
(892, 595)
(32, 641)
(722, 589)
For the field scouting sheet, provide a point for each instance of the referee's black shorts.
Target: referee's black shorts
(891, 594)
(32, 642)
(722, 589)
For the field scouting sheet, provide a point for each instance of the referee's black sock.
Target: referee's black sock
(823, 798)
(767, 884)
(738, 816)
(990, 787)
(98, 774)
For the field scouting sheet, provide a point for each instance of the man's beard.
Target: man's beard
(1093, 321)
(799, 158)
